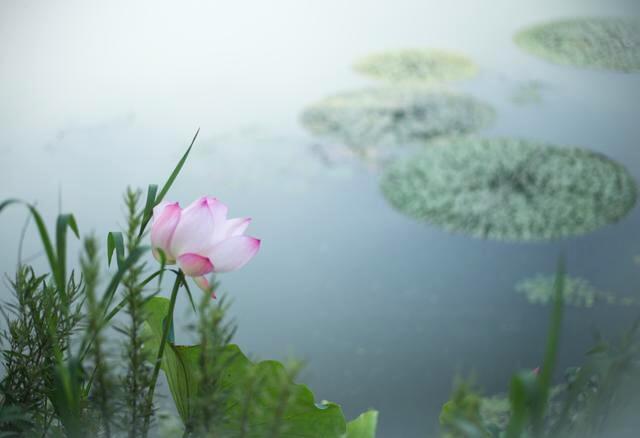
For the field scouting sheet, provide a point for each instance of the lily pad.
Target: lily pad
(605, 43)
(419, 66)
(510, 189)
(395, 116)
(578, 292)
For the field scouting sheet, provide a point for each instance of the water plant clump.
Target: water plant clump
(606, 43)
(510, 189)
(578, 292)
(596, 399)
(416, 66)
(394, 116)
(593, 400)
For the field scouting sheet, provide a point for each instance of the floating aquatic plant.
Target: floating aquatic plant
(510, 189)
(578, 292)
(394, 115)
(424, 66)
(607, 43)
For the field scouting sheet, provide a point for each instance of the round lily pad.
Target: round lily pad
(607, 43)
(395, 115)
(510, 189)
(416, 66)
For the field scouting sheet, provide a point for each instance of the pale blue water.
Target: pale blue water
(385, 310)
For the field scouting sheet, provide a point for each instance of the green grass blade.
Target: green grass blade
(134, 256)
(118, 307)
(108, 295)
(86, 345)
(64, 222)
(518, 401)
(4, 204)
(44, 237)
(176, 170)
(46, 242)
(115, 241)
(167, 185)
(186, 286)
(551, 351)
(148, 205)
(152, 276)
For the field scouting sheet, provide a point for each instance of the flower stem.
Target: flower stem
(163, 342)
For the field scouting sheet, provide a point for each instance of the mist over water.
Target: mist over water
(385, 310)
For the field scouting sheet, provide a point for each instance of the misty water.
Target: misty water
(386, 311)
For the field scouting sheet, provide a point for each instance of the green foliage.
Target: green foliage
(417, 66)
(135, 412)
(364, 426)
(461, 415)
(395, 116)
(597, 399)
(465, 416)
(67, 396)
(206, 408)
(510, 189)
(49, 391)
(56, 257)
(101, 391)
(40, 324)
(255, 399)
(601, 396)
(14, 421)
(153, 200)
(607, 43)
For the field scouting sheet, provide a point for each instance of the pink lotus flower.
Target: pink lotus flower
(201, 239)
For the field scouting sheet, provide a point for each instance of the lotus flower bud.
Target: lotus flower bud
(200, 238)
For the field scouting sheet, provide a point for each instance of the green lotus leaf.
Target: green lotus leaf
(605, 43)
(395, 116)
(364, 426)
(416, 66)
(510, 189)
(256, 413)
